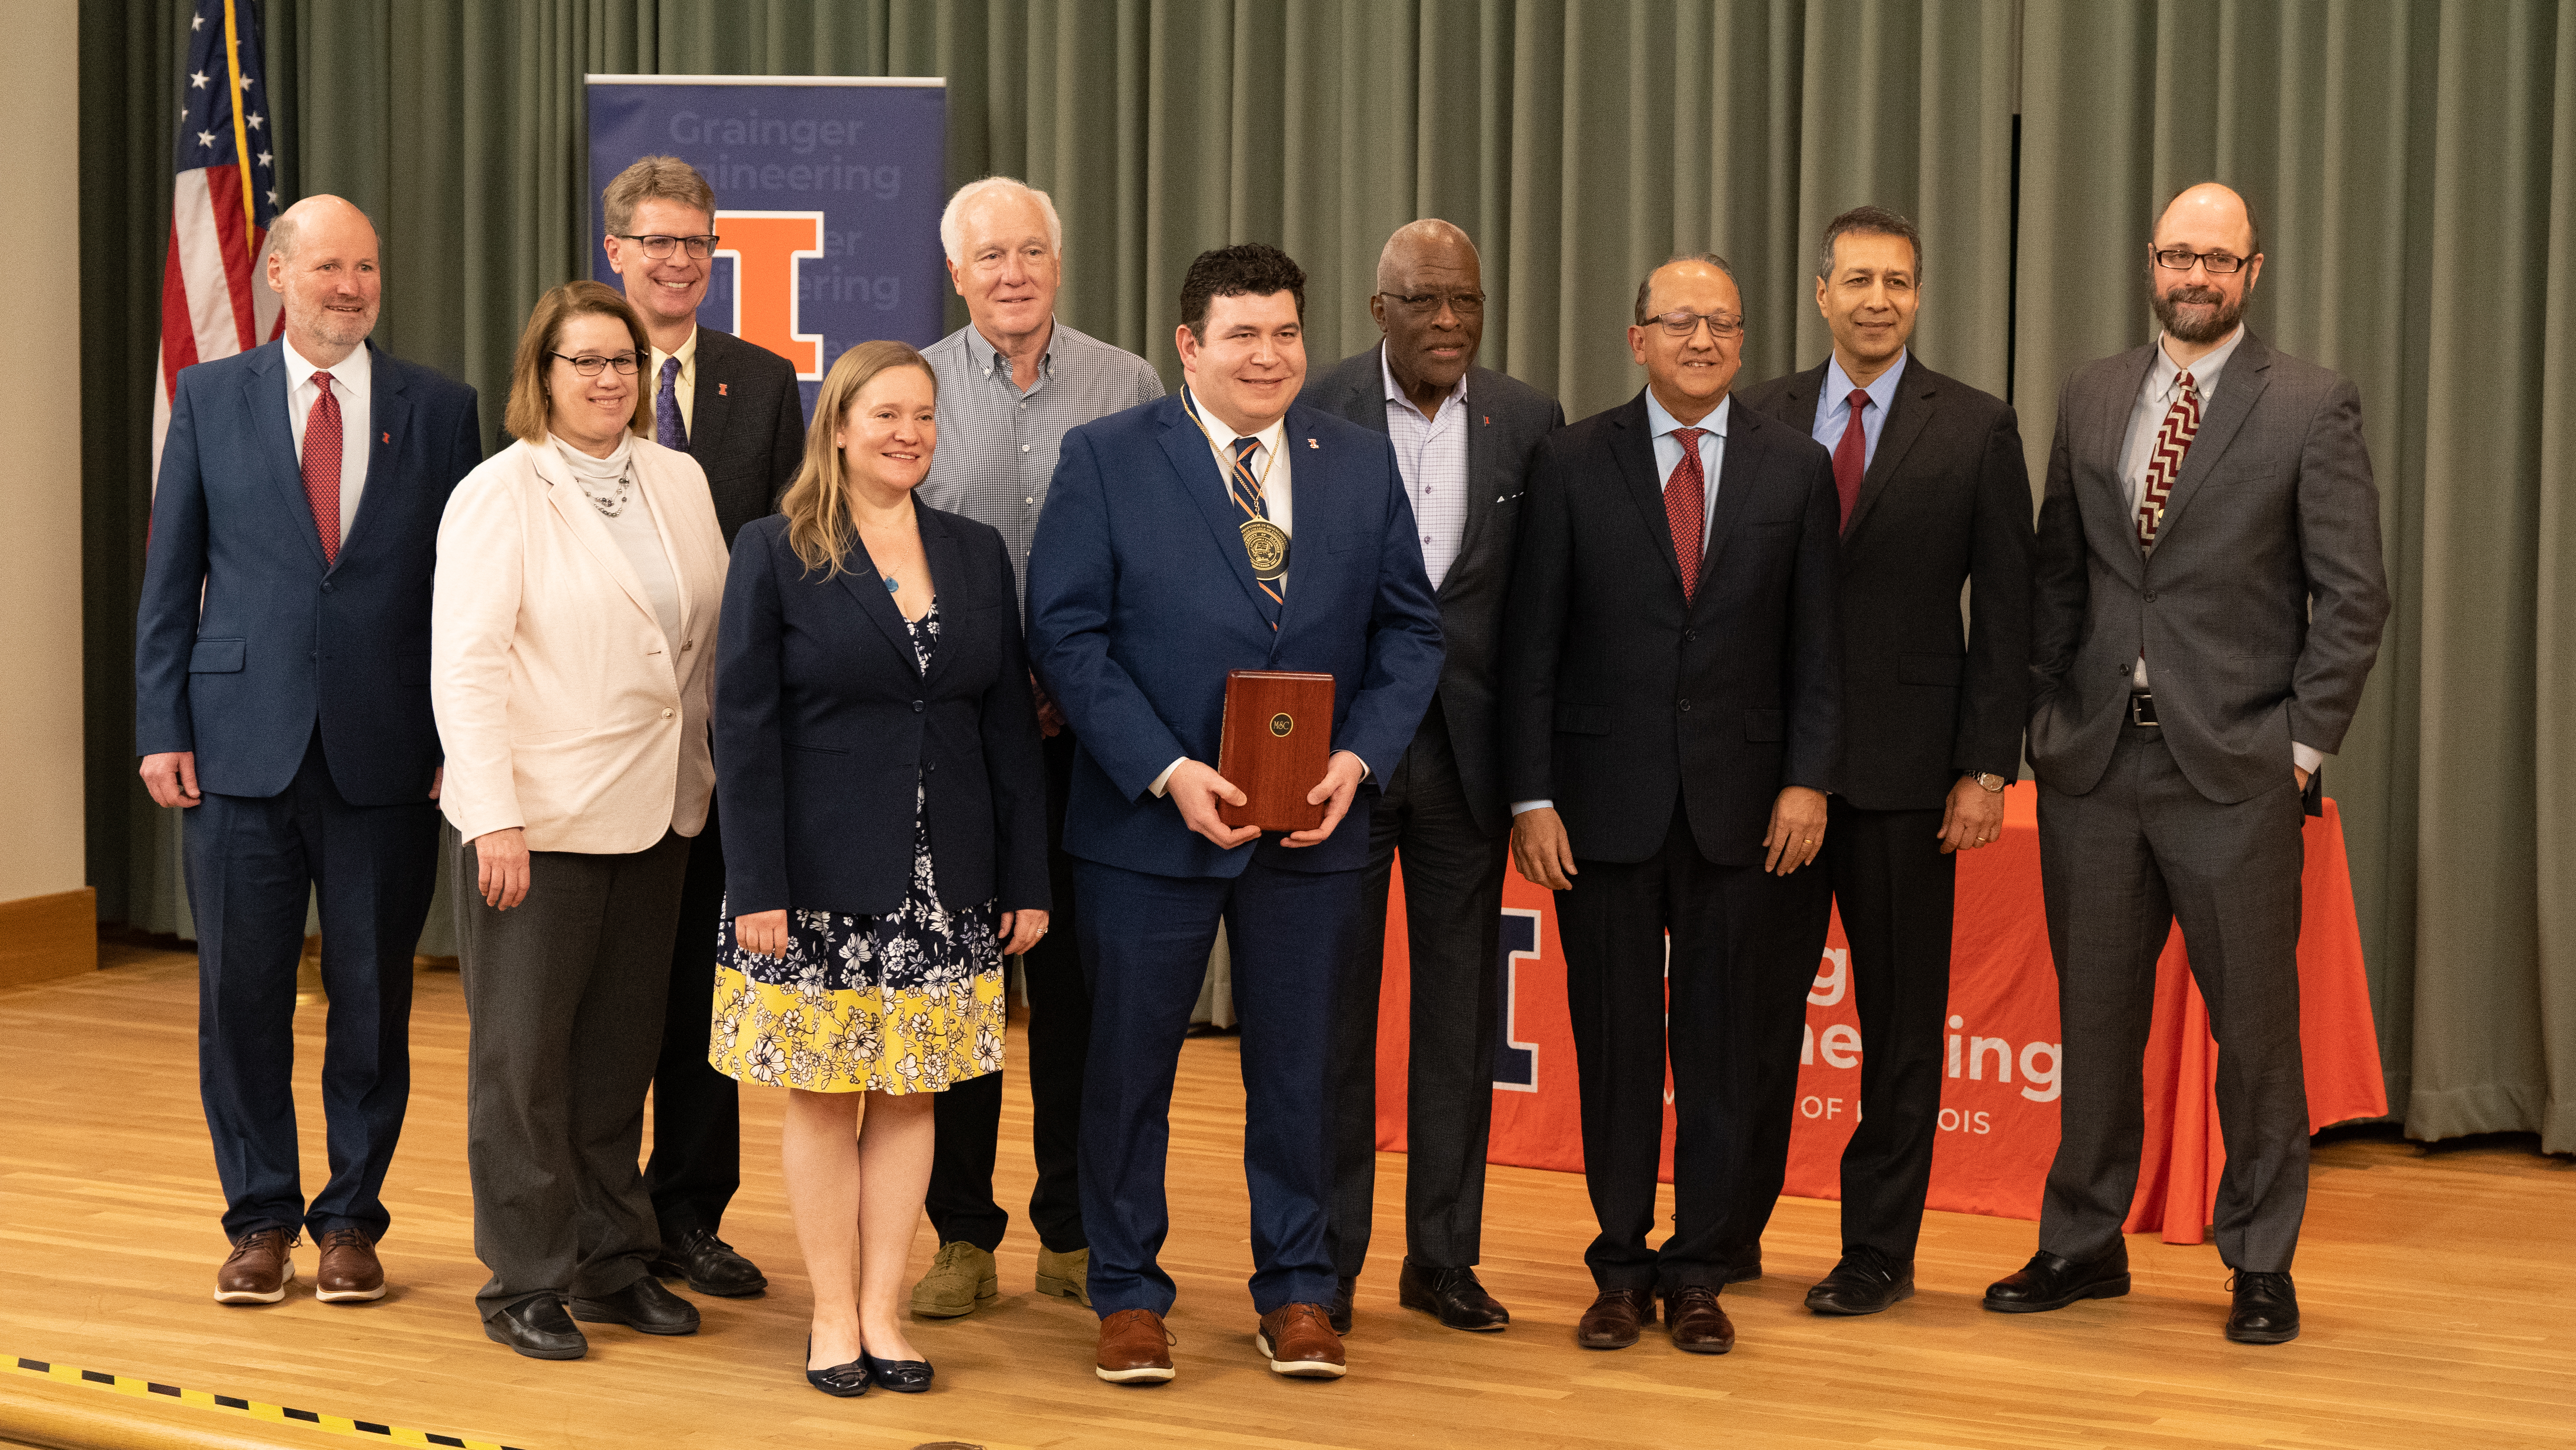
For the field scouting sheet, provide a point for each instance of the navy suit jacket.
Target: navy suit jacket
(824, 722)
(1141, 598)
(284, 640)
(1621, 696)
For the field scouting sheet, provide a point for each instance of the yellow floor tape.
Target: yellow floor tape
(228, 1404)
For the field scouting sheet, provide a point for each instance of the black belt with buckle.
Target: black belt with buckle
(2142, 708)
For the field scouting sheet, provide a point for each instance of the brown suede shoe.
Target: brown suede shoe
(260, 1266)
(349, 1270)
(1697, 1324)
(1615, 1319)
(1135, 1348)
(1298, 1340)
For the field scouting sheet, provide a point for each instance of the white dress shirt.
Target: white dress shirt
(684, 387)
(353, 387)
(1431, 453)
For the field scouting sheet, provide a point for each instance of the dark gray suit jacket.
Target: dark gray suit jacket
(1506, 419)
(1945, 502)
(747, 427)
(2260, 607)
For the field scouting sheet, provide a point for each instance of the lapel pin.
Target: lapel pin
(720, 390)
(389, 437)
(1311, 443)
(1489, 420)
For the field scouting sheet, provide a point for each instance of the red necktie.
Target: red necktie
(1851, 456)
(2173, 441)
(1686, 508)
(322, 466)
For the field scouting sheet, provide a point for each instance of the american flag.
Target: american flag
(214, 300)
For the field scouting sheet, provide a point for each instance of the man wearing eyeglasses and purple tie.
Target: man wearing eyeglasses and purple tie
(734, 407)
(2209, 601)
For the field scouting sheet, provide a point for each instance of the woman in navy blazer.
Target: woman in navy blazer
(879, 777)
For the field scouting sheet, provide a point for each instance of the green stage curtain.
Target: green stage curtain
(2405, 154)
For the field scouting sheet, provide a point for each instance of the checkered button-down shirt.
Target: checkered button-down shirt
(1431, 453)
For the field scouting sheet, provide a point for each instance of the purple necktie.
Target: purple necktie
(668, 430)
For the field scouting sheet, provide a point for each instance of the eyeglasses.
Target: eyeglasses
(589, 365)
(658, 247)
(1426, 304)
(2179, 259)
(1682, 324)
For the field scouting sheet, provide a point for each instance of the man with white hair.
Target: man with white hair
(281, 698)
(1012, 383)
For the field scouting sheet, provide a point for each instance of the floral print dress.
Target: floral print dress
(910, 1001)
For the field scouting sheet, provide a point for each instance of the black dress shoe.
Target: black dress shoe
(2266, 1310)
(848, 1381)
(1337, 1310)
(1696, 1323)
(644, 1306)
(538, 1328)
(1615, 1319)
(1744, 1263)
(903, 1376)
(1863, 1283)
(1453, 1296)
(2049, 1282)
(708, 1265)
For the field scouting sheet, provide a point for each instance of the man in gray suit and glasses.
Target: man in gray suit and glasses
(2209, 601)
(1464, 436)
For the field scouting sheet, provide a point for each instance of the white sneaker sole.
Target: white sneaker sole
(1149, 1374)
(348, 1296)
(238, 1296)
(1310, 1369)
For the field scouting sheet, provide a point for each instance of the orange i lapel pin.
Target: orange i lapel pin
(720, 390)
(1311, 443)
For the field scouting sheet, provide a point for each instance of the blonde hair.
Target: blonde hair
(655, 178)
(817, 504)
(529, 404)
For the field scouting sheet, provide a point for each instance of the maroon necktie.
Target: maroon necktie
(2173, 441)
(322, 465)
(1686, 508)
(1851, 456)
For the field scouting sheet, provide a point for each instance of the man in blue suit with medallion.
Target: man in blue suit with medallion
(1143, 593)
(281, 696)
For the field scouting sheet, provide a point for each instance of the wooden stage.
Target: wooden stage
(2431, 1281)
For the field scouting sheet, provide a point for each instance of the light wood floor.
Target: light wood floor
(2433, 1285)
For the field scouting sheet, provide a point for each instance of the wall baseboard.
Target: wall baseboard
(43, 937)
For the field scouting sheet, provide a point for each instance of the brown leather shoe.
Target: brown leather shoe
(1697, 1324)
(1615, 1319)
(349, 1270)
(1299, 1340)
(1135, 1348)
(258, 1271)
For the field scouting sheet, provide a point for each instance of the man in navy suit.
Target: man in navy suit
(1142, 595)
(281, 662)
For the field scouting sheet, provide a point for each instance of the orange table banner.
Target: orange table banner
(1998, 1123)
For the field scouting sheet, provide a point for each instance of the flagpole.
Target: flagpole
(241, 137)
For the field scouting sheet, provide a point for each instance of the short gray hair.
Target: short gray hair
(1647, 282)
(952, 225)
(1875, 221)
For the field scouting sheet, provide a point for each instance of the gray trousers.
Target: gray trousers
(565, 992)
(2120, 865)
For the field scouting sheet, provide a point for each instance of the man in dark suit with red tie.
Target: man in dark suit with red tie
(1671, 687)
(1934, 496)
(735, 407)
(281, 696)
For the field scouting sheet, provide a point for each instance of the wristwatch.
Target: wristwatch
(1989, 783)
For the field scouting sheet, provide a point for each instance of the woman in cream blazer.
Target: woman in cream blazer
(572, 645)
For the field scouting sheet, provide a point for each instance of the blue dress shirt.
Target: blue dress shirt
(1712, 451)
(1833, 407)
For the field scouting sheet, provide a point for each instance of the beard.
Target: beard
(339, 329)
(2197, 327)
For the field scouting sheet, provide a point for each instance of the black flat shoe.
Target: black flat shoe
(538, 1328)
(644, 1306)
(848, 1381)
(1453, 1296)
(903, 1376)
(2266, 1310)
(708, 1265)
(1744, 1263)
(1337, 1310)
(1863, 1283)
(2049, 1282)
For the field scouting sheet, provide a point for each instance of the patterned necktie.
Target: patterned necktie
(2173, 440)
(1686, 508)
(1851, 456)
(322, 466)
(669, 429)
(1245, 486)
